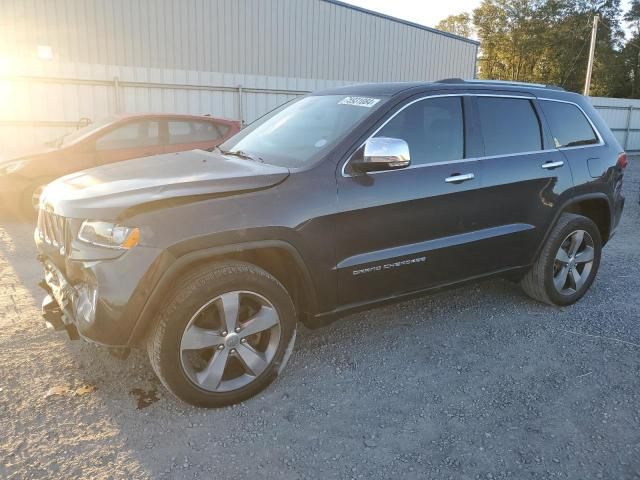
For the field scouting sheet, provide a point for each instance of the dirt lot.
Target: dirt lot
(478, 382)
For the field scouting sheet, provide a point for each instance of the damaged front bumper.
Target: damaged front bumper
(55, 319)
(97, 299)
(65, 304)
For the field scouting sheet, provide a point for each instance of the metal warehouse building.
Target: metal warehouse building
(64, 60)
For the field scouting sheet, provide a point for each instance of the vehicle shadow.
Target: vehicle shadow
(17, 249)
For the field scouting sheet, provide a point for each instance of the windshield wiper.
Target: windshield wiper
(241, 154)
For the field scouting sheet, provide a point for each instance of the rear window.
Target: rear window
(184, 131)
(568, 125)
(509, 125)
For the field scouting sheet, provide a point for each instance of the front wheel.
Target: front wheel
(224, 335)
(568, 262)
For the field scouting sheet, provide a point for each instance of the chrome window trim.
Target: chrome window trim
(473, 159)
(595, 129)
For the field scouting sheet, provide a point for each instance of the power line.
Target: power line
(604, 22)
(573, 64)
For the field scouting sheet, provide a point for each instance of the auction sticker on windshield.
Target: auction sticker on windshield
(367, 102)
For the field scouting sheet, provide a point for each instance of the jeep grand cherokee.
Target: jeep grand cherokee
(338, 201)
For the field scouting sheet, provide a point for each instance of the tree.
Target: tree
(546, 41)
(511, 34)
(633, 17)
(457, 24)
(631, 51)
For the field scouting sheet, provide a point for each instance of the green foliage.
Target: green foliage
(547, 41)
(631, 51)
(457, 24)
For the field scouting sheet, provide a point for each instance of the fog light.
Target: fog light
(86, 303)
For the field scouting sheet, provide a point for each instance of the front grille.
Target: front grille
(52, 230)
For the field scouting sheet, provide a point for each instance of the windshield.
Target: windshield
(75, 135)
(294, 135)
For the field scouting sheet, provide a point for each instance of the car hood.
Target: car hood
(26, 153)
(105, 192)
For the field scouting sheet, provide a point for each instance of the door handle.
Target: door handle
(459, 178)
(552, 165)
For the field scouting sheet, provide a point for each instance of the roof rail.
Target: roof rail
(500, 82)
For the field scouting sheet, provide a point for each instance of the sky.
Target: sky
(425, 12)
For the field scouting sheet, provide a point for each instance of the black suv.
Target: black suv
(335, 202)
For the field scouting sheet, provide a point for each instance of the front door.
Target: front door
(404, 230)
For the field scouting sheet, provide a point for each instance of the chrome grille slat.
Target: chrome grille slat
(52, 229)
(48, 234)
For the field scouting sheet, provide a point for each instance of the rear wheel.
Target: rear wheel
(224, 335)
(568, 262)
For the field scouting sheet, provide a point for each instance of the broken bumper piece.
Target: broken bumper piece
(65, 304)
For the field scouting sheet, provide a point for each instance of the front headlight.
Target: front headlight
(110, 235)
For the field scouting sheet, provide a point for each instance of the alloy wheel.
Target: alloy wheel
(573, 262)
(230, 341)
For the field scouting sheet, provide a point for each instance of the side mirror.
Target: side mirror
(382, 153)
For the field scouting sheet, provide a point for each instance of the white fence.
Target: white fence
(623, 117)
(38, 106)
(65, 99)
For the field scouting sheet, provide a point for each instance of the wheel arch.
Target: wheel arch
(279, 258)
(595, 207)
(577, 205)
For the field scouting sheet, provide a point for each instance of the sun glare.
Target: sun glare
(5, 65)
(5, 93)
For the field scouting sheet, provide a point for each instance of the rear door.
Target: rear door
(404, 230)
(191, 134)
(524, 176)
(132, 139)
(576, 137)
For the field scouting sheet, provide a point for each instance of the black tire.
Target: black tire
(538, 282)
(192, 292)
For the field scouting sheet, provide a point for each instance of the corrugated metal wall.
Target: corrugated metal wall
(623, 117)
(195, 54)
(283, 38)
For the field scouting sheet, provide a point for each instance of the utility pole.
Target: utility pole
(592, 49)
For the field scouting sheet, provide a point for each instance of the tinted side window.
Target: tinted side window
(131, 135)
(433, 128)
(509, 125)
(568, 124)
(194, 131)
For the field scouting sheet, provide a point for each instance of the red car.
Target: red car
(109, 140)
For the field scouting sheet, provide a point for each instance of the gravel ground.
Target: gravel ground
(478, 382)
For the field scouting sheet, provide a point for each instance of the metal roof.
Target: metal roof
(399, 20)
